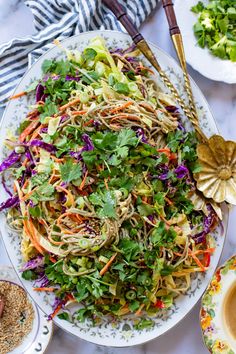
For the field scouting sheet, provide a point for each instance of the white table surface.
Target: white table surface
(185, 338)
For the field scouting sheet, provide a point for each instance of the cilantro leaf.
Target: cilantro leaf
(127, 137)
(29, 275)
(145, 209)
(64, 316)
(46, 66)
(130, 248)
(47, 110)
(106, 202)
(35, 211)
(70, 171)
(43, 193)
(197, 8)
(160, 236)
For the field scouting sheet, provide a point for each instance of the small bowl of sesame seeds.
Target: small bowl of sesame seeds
(23, 327)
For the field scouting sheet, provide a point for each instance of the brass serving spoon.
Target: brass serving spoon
(120, 13)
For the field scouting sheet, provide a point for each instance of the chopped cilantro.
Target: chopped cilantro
(70, 171)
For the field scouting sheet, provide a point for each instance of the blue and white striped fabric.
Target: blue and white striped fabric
(59, 19)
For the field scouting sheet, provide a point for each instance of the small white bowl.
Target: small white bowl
(199, 58)
(216, 335)
(39, 337)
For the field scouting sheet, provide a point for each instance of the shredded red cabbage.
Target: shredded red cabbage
(208, 223)
(87, 147)
(64, 117)
(171, 109)
(42, 282)
(88, 142)
(181, 171)
(10, 202)
(163, 176)
(43, 145)
(10, 160)
(72, 78)
(57, 302)
(181, 127)
(55, 77)
(140, 134)
(40, 93)
(33, 263)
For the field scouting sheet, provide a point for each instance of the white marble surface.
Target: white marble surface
(16, 21)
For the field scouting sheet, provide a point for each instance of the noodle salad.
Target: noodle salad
(102, 189)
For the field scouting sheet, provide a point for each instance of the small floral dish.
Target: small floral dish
(201, 59)
(217, 335)
(39, 337)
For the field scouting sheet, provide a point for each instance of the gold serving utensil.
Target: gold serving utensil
(120, 13)
(179, 48)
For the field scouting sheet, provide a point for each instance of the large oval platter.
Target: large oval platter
(121, 333)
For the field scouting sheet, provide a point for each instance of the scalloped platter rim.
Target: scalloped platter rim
(120, 333)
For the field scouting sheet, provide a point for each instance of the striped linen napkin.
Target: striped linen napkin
(59, 19)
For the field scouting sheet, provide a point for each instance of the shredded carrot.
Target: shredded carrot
(168, 201)
(41, 103)
(44, 289)
(106, 184)
(57, 160)
(59, 220)
(145, 68)
(99, 168)
(78, 113)
(24, 163)
(29, 230)
(18, 95)
(70, 297)
(84, 181)
(108, 264)
(166, 221)
(43, 222)
(208, 250)
(25, 184)
(83, 193)
(138, 312)
(144, 199)
(69, 104)
(124, 310)
(164, 150)
(26, 196)
(90, 121)
(36, 132)
(120, 108)
(168, 153)
(52, 259)
(178, 254)
(198, 262)
(31, 127)
(56, 243)
(79, 217)
(55, 312)
(52, 176)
